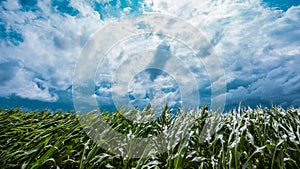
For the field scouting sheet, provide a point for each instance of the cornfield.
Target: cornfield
(242, 138)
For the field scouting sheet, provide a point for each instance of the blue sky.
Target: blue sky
(258, 43)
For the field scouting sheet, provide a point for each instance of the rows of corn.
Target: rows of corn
(245, 138)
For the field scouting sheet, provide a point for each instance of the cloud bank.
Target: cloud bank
(257, 41)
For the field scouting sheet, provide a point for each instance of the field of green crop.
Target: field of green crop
(246, 138)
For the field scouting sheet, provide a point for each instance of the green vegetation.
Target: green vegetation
(260, 138)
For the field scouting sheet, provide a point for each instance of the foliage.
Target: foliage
(246, 138)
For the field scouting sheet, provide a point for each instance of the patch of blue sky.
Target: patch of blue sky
(115, 8)
(9, 36)
(63, 6)
(29, 5)
(64, 103)
(281, 4)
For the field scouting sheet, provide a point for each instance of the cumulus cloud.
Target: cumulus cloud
(258, 46)
(23, 83)
(49, 44)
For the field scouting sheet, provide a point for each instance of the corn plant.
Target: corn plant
(242, 138)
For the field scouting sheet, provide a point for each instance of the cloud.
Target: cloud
(258, 46)
(8, 71)
(49, 44)
(24, 84)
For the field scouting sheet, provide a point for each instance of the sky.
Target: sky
(256, 42)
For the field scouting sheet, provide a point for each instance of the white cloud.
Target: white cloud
(52, 43)
(24, 84)
(258, 47)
